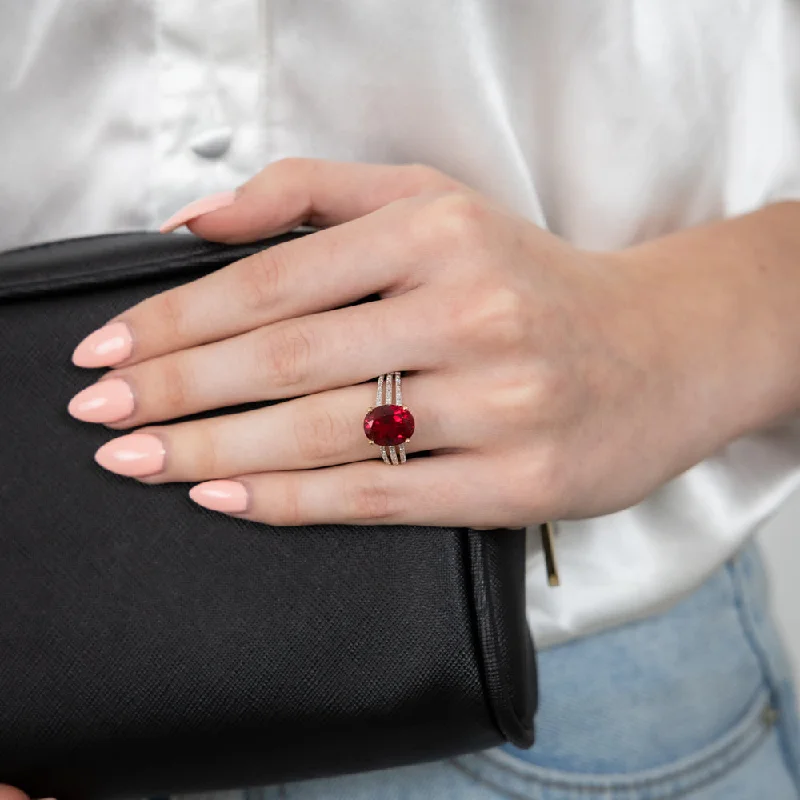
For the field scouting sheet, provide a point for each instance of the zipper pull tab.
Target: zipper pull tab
(548, 547)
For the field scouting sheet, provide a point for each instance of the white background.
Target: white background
(780, 542)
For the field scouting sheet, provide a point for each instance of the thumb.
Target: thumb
(299, 191)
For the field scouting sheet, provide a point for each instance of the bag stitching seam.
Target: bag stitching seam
(499, 700)
(205, 253)
(80, 278)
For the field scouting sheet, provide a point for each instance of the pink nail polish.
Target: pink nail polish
(107, 401)
(105, 347)
(228, 497)
(134, 456)
(205, 205)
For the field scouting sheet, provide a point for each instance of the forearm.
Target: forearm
(724, 300)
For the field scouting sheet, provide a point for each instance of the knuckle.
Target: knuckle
(321, 436)
(534, 397)
(288, 510)
(291, 165)
(286, 355)
(371, 501)
(176, 389)
(489, 318)
(459, 218)
(501, 315)
(515, 400)
(171, 313)
(423, 176)
(201, 452)
(261, 278)
(294, 176)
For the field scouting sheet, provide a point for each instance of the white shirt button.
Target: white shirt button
(213, 143)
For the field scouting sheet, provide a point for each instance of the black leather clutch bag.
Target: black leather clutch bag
(149, 647)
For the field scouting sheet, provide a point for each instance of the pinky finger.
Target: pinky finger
(441, 490)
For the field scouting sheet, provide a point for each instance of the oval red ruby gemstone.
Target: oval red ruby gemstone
(389, 425)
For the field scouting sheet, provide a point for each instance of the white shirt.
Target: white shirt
(606, 122)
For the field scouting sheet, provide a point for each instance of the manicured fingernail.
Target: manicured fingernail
(134, 456)
(205, 205)
(229, 497)
(106, 401)
(105, 347)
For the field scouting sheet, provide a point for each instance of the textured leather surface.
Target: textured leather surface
(147, 646)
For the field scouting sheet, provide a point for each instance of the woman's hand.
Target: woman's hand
(9, 793)
(541, 376)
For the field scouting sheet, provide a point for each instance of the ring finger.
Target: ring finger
(319, 430)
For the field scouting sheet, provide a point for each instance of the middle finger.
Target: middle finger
(288, 359)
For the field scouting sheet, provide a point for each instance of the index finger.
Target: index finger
(321, 193)
(319, 272)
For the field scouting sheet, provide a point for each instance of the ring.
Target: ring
(389, 425)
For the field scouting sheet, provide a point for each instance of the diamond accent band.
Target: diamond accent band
(389, 424)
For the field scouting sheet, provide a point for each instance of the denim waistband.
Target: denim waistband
(678, 695)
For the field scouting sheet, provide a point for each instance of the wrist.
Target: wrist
(723, 303)
(667, 328)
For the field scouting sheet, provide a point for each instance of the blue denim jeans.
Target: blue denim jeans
(694, 703)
